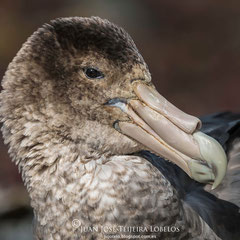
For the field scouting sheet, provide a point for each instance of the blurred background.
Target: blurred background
(192, 48)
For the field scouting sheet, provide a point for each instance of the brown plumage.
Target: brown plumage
(74, 164)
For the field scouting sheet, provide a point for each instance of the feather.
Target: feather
(221, 215)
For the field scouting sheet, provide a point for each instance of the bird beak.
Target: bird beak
(172, 134)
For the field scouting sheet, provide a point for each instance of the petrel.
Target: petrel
(102, 153)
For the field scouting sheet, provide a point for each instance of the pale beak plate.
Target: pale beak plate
(172, 134)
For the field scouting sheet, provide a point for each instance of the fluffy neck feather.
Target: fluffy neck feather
(69, 181)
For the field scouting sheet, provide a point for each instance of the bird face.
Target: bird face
(81, 101)
(87, 82)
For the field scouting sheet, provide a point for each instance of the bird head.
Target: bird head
(82, 82)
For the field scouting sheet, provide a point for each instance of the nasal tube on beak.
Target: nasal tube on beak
(186, 122)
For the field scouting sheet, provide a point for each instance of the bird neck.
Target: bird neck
(58, 191)
(66, 181)
(96, 192)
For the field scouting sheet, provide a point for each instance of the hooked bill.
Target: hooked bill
(172, 134)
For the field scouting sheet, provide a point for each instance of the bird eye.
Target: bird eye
(93, 73)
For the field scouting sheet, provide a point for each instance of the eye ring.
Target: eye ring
(93, 73)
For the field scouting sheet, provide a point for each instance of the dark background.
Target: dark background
(192, 48)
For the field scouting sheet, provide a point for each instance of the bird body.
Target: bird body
(78, 109)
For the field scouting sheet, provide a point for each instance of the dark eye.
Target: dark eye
(93, 73)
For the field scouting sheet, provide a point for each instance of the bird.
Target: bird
(103, 154)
